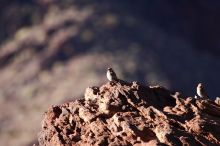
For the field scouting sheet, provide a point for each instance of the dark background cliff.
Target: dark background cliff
(52, 50)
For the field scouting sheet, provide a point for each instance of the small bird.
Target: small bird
(217, 100)
(111, 75)
(201, 91)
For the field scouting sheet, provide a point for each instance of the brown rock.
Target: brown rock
(132, 114)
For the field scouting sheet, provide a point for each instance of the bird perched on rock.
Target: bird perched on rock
(111, 75)
(217, 100)
(201, 91)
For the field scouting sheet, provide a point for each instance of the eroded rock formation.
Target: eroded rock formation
(132, 114)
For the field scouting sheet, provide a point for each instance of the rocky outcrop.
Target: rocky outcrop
(132, 114)
(49, 47)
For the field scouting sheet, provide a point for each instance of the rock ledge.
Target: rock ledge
(132, 114)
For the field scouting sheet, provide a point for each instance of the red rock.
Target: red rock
(132, 114)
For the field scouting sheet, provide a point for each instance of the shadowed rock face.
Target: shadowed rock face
(132, 114)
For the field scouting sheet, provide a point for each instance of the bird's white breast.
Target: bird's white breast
(109, 76)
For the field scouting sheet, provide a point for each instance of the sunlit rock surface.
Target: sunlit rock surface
(132, 114)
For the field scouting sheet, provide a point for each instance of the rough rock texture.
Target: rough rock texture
(132, 114)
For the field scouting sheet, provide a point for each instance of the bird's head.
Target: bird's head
(109, 68)
(199, 85)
